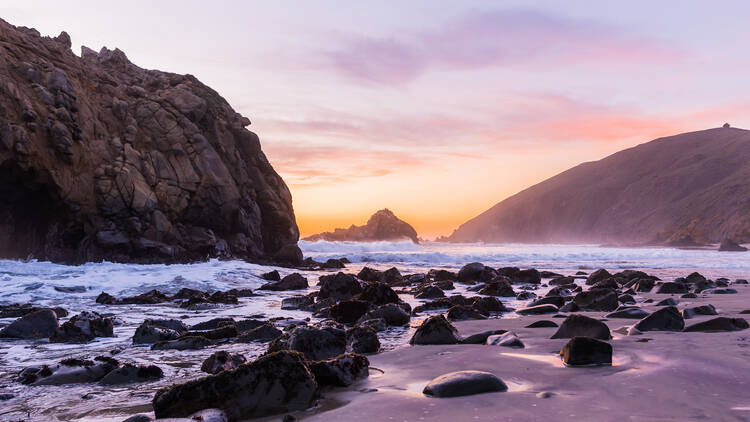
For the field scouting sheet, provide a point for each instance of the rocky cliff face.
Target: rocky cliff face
(383, 225)
(100, 159)
(682, 190)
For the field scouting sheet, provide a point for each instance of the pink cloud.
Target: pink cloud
(499, 38)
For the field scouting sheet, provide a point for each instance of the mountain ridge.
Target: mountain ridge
(684, 189)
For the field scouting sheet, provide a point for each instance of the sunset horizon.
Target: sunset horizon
(352, 112)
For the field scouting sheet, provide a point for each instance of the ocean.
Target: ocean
(75, 288)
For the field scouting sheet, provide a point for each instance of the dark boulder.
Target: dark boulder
(597, 300)
(728, 245)
(435, 330)
(460, 313)
(150, 334)
(500, 286)
(339, 286)
(297, 302)
(379, 294)
(293, 281)
(643, 285)
(38, 324)
(582, 326)
(665, 319)
(720, 291)
(341, 371)
(597, 276)
(271, 276)
(348, 311)
(222, 361)
(688, 313)
(212, 324)
(130, 373)
(172, 324)
(585, 351)
(485, 305)
(667, 302)
(430, 292)
(369, 274)
(509, 339)
(543, 323)
(222, 332)
(317, 343)
(392, 313)
(83, 328)
(362, 339)
(464, 383)
(276, 383)
(718, 325)
(470, 272)
(481, 338)
(262, 333)
(549, 300)
(183, 343)
(530, 276)
(69, 371)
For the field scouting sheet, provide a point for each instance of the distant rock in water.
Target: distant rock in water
(103, 160)
(683, 191)
(728, 245)
(383, 225)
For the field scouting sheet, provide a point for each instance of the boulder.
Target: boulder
(262, 333)
(597, 300)
(369, 274)
(183, 343)
(665, 319)
(485, 305)
(643, 285)
(464, 383)
(481, 338)
(718, 324)
(688, 313)
(83, 328)
(317, 343)
(222, 361)
(339, 286)
(68, 371)
(720, 291)
(582, 326)
(628, 313)
(297, 302)
(460, 312)
(271, 276)
(430, 292)
(149, 334)
(276, 383)
(172, 324)
(531, 276)
(293, 281)
(728, 245)
(130, 373)
(585, 351)
(222, 332)
(667, 302)
(341, 371)
(509, 339)
(37, 324)
(379, 294)
(435, 330)
(470, 272)
(394, 315)
(500, 286)
(362, 339)
(543, 323)
(348, 311)
(549, 300)
(597, 276)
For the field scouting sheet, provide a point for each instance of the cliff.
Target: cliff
(103, 160)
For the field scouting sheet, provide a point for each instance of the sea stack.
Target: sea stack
(103, 160)
(383, 225)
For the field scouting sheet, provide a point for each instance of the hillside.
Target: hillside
(679, 190)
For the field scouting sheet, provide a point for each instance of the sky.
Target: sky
(435, 110)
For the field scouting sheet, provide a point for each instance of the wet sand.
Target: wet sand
(672, 376)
